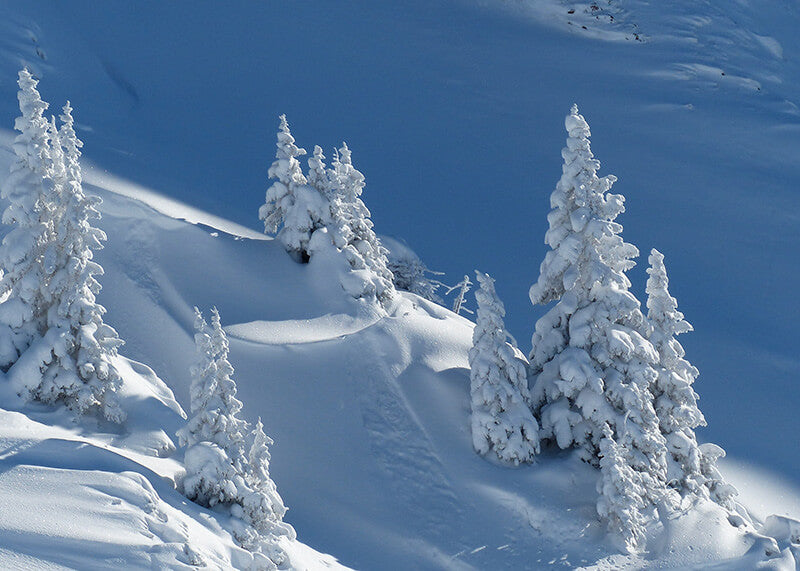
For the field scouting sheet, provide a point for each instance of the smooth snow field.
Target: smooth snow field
(455, 112)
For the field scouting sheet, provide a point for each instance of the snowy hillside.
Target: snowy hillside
(454, 111)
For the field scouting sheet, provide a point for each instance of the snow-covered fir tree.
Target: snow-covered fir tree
(49, 314)
(29, 191)
(222, 472)
(80, 372)
(592, 364)
(264, 507)
(502, 422)
(214, 426)
(350, 230)
(689, 471)
(293, 208)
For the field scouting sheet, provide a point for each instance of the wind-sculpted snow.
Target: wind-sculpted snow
(456, 117)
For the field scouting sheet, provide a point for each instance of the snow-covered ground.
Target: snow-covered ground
(690, 103)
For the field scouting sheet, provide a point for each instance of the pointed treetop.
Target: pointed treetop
(30, 102)
(576, 125)
(317, 175)
(286, 147)
(70, 139)
(345, 155)
(662, 307)
(486, 294)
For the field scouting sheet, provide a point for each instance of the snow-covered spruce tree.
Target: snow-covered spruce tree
(350, 229)
(214, 434)
(79, 370)
(592, 364)
(293, 208)
(689, 471)
(29, 191)
(501, 419)
(221, 472)
(264, 507)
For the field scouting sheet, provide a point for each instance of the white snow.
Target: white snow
(370, 412)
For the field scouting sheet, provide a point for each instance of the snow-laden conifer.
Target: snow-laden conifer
(350, 229)
(221, 470)
(28, 191)
(689, 470)
(214, 407)
(293, 209)
(502, 422)
(264, 506)
(592, 364)
(80, 371)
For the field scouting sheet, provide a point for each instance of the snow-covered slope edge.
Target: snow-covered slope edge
(79, 495)
(370, 417)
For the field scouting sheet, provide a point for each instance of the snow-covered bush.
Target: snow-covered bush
(591, 361)
(409, 272)
(501, 419)
(293, 208)
(222, 472)
(53, 339)
(350, 229)
(690, 471)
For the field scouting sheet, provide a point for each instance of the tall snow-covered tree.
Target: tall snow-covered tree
(592, 364)
(350, 229)
(689, 471)
(502, 422)
(293, 209)
(79, 371)
(213, 404)
(221, 470)
(29, 190)
(264, 506)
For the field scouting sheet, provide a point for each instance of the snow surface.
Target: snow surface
(369, 415)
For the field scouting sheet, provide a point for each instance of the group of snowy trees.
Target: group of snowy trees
(227, 462)
(604, 378)
(323, 212)
(53, 343)
(55, 347)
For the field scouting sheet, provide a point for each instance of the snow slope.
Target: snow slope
(369, 414)
(454, 112)
(370, 419)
